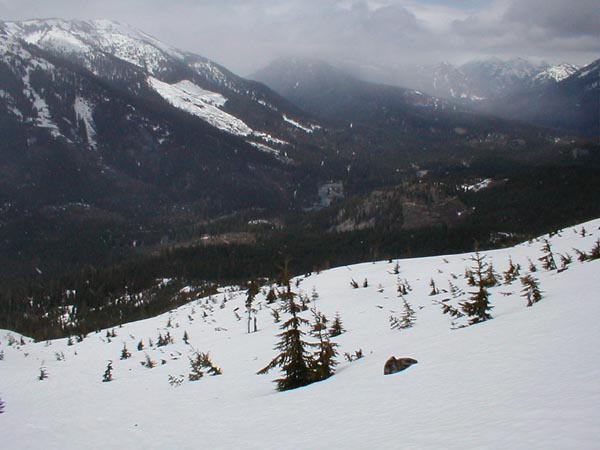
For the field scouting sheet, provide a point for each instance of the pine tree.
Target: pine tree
(186, 337)
(478, 308)
(43, 373)
(271, 296)
(595, 252)
(408, 318)
(108, 373)
(324, 358)
(512, 273)
(548, 262)
(434, 290)
(490, 278)
(294, 358)
(565, 261)
(140, 346)
(336, 327)
(1, 406)
(125, 353)
(253, 289)
(531, 290)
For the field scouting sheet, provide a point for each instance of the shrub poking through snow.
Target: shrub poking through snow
(148, 362)
(201, 364)
(125, 353)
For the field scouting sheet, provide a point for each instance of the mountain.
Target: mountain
(399, 126)
(554, 74)
(96, 112)
(118, 140)
(495, 77)
(447, 81)
(571, 103)
(526, 379)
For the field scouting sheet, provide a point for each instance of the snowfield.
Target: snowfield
(528, 379)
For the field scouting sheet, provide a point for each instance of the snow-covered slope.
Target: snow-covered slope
(528, 379)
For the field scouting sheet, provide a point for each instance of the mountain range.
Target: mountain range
(567, 94)
(114, 143)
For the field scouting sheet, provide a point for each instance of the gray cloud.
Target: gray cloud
(246, 34)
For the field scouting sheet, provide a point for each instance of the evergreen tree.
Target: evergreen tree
(1, 406)
(324, 359)
(491, 278)
(271, 296)
(565, 260)
(531, 290)
(408, 318)
(125, 353)
(294, 358)
(478, 308)
(43, 373)
(512, 273)
(548, 262)
(186, 337)
(595, 252)
(140, 346)
(108, 372)
(336, 327)
(251, 292)
(434, 289)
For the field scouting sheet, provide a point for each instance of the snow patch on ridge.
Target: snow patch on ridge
(304, 128)
(201, 103)
(83, 112)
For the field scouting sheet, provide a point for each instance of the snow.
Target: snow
(528, 379)
(57, 39)
(83, 112)
(40, 107)
(556, 73)
(199, 102)
(306, 129)
(476, 187)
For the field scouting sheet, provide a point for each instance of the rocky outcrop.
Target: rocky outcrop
(394, 365)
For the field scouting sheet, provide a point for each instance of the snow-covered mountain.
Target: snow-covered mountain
(554, 74)
(571, 103)
(141, 116)
(184, 80)
(527, 379)
(494, 76)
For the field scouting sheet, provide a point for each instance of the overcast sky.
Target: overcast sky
(244, 35)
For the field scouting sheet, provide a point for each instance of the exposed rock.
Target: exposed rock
(394, 364)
